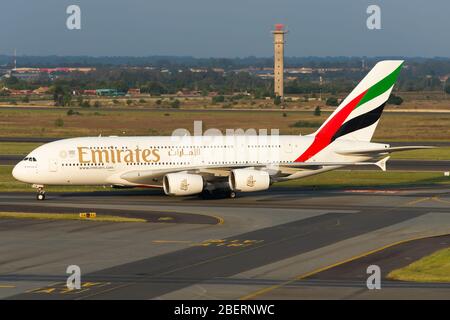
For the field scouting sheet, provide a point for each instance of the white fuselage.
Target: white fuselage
(103, 160)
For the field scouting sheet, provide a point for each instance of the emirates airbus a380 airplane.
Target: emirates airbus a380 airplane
(204, 164)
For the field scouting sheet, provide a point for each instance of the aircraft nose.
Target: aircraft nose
(18, 172)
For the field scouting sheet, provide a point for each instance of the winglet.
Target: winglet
(382, 163)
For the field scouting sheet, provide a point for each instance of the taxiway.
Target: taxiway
(265, 245)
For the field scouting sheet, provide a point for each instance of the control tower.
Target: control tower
(278, 69)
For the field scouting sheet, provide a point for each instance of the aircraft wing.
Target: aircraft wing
(215, 172)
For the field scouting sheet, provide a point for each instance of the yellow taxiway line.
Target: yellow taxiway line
(6, 286)
(308, 274)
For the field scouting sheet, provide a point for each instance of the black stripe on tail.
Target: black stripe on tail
(360, 122)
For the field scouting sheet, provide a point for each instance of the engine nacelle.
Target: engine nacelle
(247, 180)
(182, 184)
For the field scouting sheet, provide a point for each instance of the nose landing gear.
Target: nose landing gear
(40, 195)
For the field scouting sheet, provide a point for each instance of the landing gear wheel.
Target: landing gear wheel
(232, 194)
(40, 191)
(40, 196)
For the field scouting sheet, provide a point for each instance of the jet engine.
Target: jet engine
(248, 180)
(182, 184)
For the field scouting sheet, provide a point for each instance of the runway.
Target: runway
(251, 247)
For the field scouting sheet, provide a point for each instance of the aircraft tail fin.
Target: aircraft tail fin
(359, 113)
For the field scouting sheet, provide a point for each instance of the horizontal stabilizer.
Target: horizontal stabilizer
(380, 150)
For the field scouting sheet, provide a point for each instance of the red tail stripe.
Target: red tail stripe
(323, 137)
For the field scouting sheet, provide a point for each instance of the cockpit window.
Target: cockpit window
(32, 159)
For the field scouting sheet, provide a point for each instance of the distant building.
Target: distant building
(27, 76)
(32, 74)
(302, 70)
(109, 92)
(53, 70)
(134, 92)
(20, 92)
(90, 92)
(198, 70)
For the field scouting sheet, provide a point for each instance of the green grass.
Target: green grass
(432, 268)
(306, 124)
(340, 179)
(22, 148)
(41, 123)
(442, 153)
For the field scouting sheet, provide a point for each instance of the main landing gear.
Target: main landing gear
(217, 194)
(40, 195)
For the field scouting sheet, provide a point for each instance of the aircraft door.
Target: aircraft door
(288, 146)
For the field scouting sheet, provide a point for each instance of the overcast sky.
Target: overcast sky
(225, 28)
